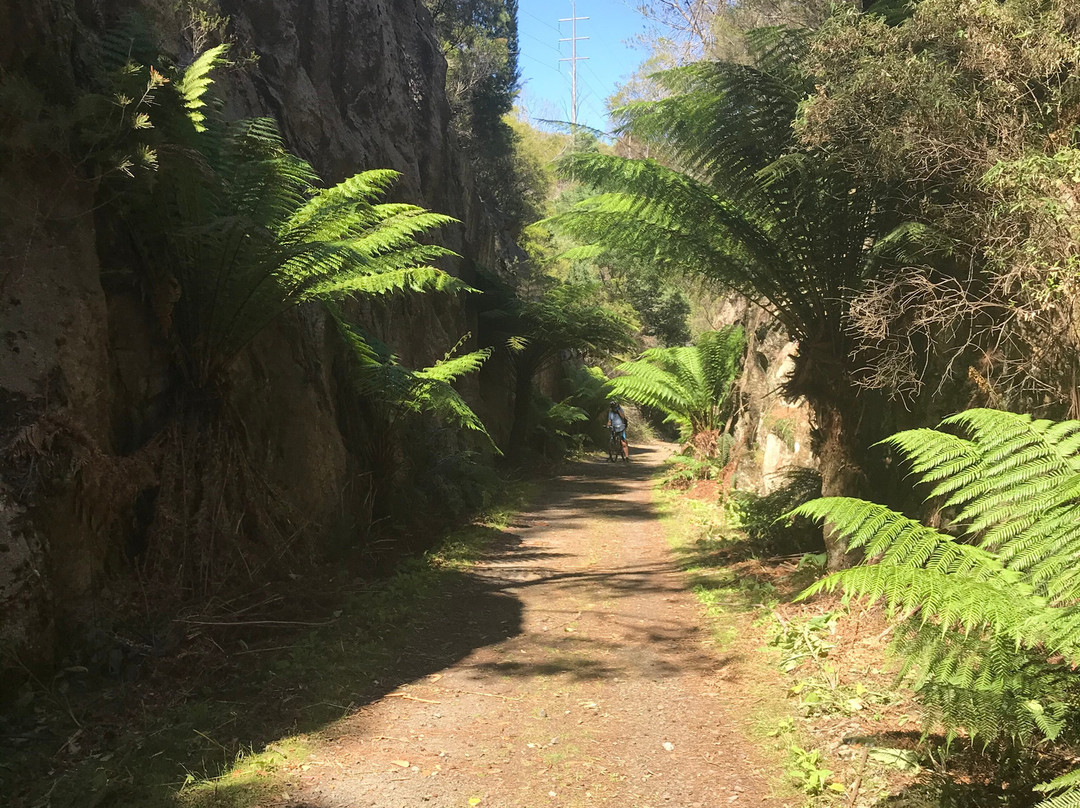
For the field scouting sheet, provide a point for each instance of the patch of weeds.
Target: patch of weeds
(784, 726)
(819, 690)
(560, 754)
(251, 777)
(803, 640)
(684, 470)
(806, 768)
(783, 428)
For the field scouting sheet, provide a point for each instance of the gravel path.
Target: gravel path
(589, 678)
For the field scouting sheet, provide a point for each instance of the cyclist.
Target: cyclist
(616, 421)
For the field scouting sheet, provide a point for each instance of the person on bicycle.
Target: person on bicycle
(616, 421)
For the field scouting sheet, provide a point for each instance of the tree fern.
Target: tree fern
(729, 195)
(691, 385)
(239, 225)
(990, 606)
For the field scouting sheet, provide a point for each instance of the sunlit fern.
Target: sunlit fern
(1068, 788)
(990, 622)
(726, 195)
(690, 384)
(238, 225)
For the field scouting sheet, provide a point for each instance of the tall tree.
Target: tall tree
(559, 320)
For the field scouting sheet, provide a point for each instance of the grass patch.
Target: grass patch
(252, 776)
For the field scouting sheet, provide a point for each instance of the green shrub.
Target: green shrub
(691, 385)
(684, 470)
(762, 517)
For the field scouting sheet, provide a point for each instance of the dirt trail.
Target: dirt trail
(609, 692)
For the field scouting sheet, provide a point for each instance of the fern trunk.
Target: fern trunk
(841, 475)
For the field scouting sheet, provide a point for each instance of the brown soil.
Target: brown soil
(609, 693)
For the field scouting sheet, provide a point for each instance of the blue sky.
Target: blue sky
(546, 81)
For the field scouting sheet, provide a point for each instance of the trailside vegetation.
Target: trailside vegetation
(691, 385)
(228, 231)
(898, 189)
(986, 602)
(560, 321)
(968, 110)
(726, 196)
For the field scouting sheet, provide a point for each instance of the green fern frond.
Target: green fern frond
(415, 279)
(992, 631)
(453, 367)
(689, 384)
(196, 80)
(380, 377)
(1068, 784)
(242, 226)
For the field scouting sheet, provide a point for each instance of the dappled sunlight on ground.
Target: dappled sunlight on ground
(590, 677)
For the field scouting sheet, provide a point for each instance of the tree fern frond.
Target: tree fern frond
(196, 81)
(429, 390)
(360, 188)
(416, 279)
(1069, 786)
(453, 367)
(934, 456)
(993, 634)
(241, 226)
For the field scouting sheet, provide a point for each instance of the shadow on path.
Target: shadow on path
(129, 750)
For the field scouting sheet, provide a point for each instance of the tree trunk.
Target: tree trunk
(841, 475)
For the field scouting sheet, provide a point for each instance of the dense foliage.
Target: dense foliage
(932, 145)
(969, 111)
(690, 385)
(223, 230)
(542, 327)
(237, 225)
(480, 42)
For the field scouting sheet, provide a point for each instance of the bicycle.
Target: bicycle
(615, 446)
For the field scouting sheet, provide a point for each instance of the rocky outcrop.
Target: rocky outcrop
(84, 376)
(773, 433)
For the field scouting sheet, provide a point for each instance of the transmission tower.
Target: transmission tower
(573, 39)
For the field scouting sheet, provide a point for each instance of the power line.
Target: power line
(542, 62)
(547, 45)
(593, 72)
(545, 24)
(600, 97)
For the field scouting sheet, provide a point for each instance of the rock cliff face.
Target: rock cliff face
(773, 433)
(84, 380)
